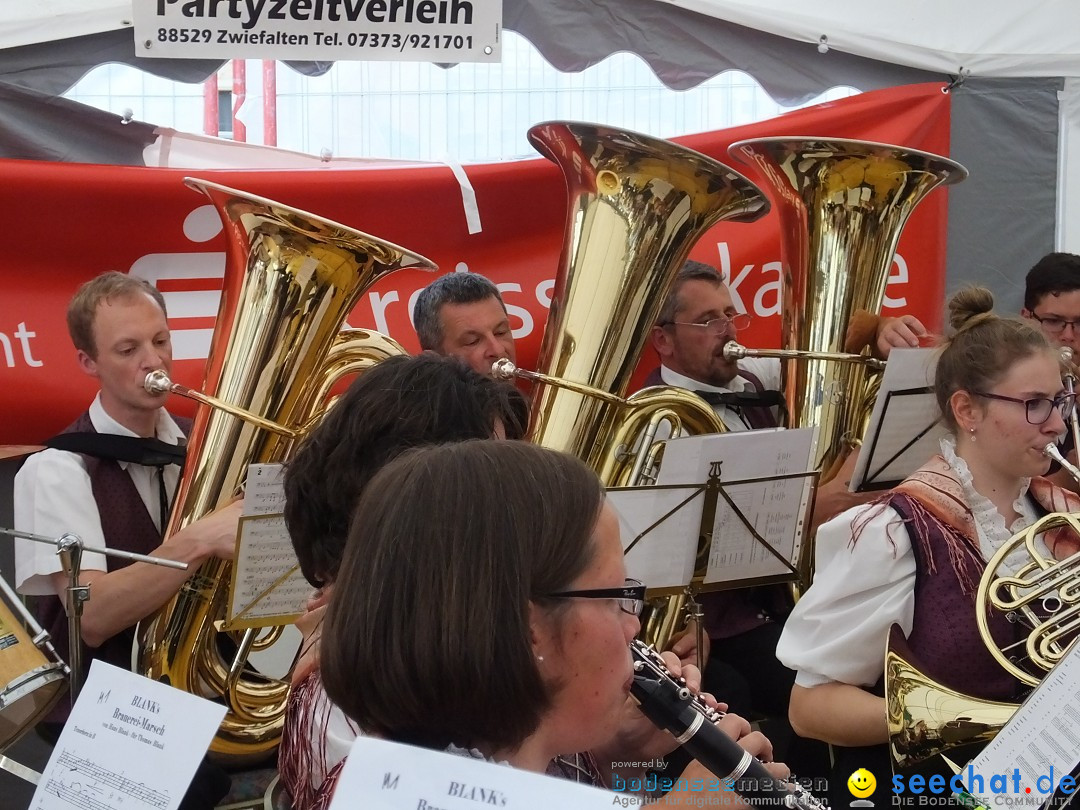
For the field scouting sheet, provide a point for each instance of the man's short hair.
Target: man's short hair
(453, 288)
(106, 287)
(690, 271)
(1053, 273)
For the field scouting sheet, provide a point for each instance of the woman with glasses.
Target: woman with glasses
(494, 621)
(915, 557)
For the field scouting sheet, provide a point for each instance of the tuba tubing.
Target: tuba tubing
(291, 279)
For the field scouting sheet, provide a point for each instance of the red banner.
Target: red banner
(65, 223)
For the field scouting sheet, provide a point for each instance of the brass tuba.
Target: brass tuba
(842, 206)
(291, 279)
(636, 205)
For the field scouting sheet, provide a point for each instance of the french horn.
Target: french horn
(291, 279)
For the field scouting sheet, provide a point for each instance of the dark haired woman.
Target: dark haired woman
(915, 559)
(499, 615)
(401, 403)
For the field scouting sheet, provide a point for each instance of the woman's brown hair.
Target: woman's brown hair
(427, 637)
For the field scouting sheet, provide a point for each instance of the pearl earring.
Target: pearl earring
(539, 658)
(972, 431)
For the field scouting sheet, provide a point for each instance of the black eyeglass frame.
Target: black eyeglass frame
(740, 320)
(633, 591)
(1063, 321)
(1058, 402)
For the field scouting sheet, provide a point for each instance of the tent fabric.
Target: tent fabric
(994, 38)
(683, 47)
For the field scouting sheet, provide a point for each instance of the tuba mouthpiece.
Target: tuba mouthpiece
(503, 369)
(734, 351)
(157, 382)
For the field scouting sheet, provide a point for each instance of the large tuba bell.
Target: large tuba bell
(290, 281)
(842, 206)
(636, 205)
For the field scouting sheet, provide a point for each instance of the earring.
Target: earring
(972, 431)
(539, 658)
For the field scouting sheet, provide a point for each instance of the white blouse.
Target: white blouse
(838, 629)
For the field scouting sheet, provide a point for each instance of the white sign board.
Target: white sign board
(320, 30)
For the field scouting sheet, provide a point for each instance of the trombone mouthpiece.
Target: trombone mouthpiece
(734, 351)
(503, 369)
(157, 382)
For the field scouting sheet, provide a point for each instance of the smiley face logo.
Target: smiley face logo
(861, 783)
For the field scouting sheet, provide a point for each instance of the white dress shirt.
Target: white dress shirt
(838, 629)
(766, 369)
(53, 496)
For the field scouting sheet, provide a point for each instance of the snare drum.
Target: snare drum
(29, 684)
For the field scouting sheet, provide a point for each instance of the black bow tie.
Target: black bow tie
(148, 452)
(742, 399)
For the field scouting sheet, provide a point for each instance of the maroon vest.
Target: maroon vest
(730, 613)
(944, 635)
(126, 526)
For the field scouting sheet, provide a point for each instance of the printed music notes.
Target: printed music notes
(130, 743)
(267, 587)
(765, 489)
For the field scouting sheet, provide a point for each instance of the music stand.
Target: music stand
(70, 547)
(905, 426)
(738, 527)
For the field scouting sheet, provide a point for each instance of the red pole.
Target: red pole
(210, 105)
(269, 75)
(239, 89)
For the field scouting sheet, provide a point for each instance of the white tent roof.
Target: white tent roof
(991, 38)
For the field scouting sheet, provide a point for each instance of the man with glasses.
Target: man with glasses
(697, 320)
(1052, 298)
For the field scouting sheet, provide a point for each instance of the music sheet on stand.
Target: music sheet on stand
(1044, 733)
(776, 509)
(909, 415)
(130, 743)
(268, 586)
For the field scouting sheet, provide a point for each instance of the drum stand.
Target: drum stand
(70, 548)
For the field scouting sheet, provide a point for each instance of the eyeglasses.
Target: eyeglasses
(1055, 325)
(1038, 409)
(630, 597)
(717, 326)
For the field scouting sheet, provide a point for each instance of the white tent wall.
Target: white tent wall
(1005, 130)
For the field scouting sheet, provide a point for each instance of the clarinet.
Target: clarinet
(670, 705)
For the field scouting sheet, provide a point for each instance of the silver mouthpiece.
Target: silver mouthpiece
(1051, 451)
(503, 369)
(1066, 354)
(734, 351)
(157, 382)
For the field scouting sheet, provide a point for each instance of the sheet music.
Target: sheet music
(382, 775)
(1044, 733)
(663, 558)
(776, 508)
(130, 742)
(267, 585)
(898, 419)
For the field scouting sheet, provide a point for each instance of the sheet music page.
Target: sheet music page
(776, 508)
(130, 742)
(267, 586)
(664, 557)
(382, 775)
(897, 420)
(1039, 745)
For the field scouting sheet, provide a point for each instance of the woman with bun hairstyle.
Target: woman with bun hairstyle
(915, 556)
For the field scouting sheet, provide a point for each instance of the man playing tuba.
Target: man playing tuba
(115, 495)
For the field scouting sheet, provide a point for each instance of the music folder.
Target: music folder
(729, 510)
(905, 426)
